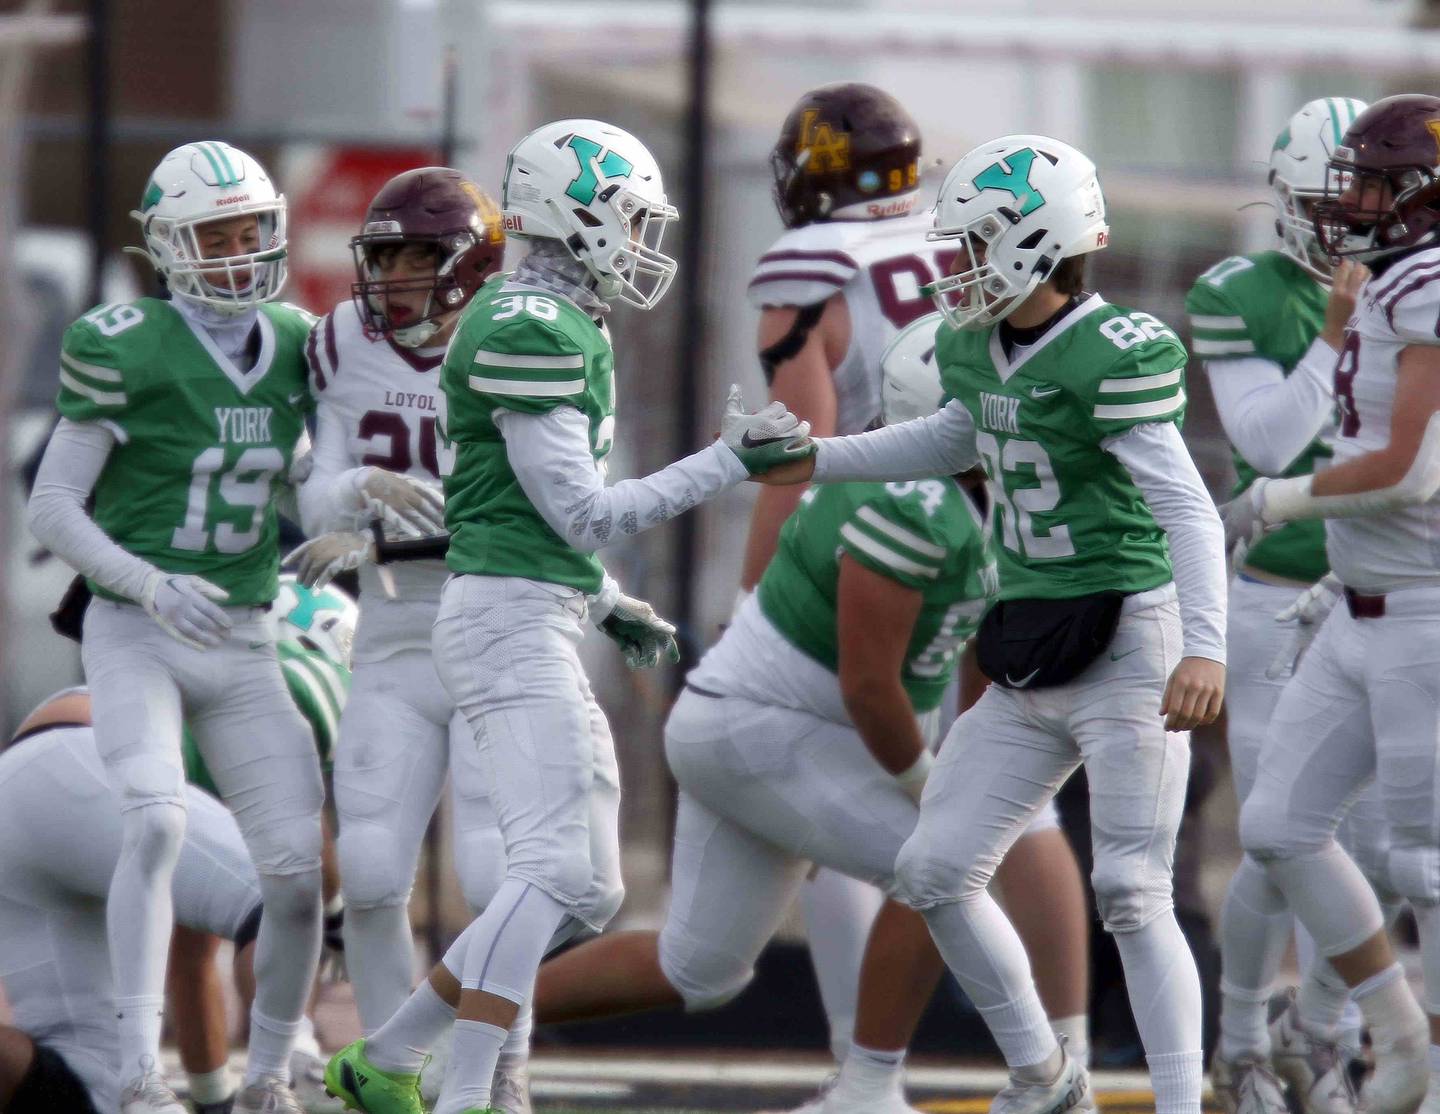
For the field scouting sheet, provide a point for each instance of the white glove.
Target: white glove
(1244, 521)
(404, 504)
(770, 436)
(183, 608)
(1307, 612)
(634, 626)
(321, 558)
(913, 779)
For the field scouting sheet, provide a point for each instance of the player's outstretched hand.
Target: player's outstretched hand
(187, 608)
(1244, 523)
(1345, 283)
(768, 438)
(1307, 612)
(1193, 695)
(318, 561)
(403, 503)
(634, 626)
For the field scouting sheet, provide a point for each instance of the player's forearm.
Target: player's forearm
(940, 445)
(56, 512)
(551, 458)
(330, 497)
(1369, 484)
(881, 711)
(772, 508)
(1269, 417)
(1157, 460)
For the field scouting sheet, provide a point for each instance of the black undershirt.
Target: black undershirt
(1012, 336)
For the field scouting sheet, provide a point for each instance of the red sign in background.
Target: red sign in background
(328, 196)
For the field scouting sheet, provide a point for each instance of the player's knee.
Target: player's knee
(926, 875)
(153, 834)
(705, 977)
(480, 864)
(148, 779)
(289, 846)
(602, 903)
(371, 873)
(1127, 895)
(1415, 873)
(1268, 832)
(291, 899)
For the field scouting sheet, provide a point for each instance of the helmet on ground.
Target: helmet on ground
(323, 620)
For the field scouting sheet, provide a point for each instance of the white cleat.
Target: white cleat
(1068, 1093)
(1399, 1081)
(149, 1093)
(510, 1092)
(833, 1099)
(269, 1096)
(432, 1075)
(307, 1079)
(1246, 1086)
(1313, 1069)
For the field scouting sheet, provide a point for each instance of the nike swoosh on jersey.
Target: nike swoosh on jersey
(1022, 682)
(1043, 392)
(295, 398)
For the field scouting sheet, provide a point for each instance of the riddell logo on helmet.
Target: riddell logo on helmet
(897, 208)
(513, 223)
(1102, 238)
(233, 199)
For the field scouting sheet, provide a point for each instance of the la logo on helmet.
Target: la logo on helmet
(1013, 176)
(829, 150)
(588, 155)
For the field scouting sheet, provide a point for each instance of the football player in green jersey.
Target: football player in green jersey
(528, 417)
(182, 418)
(803, 737)
(1269, 327)
(1072, 406)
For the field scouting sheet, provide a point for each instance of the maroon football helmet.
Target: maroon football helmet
(846, 152)
(438, 208)
(1382, 187)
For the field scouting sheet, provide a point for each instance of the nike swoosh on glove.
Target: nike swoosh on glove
(319, 560)
(769, 437)
(406, 505)
(1309, 609)
(186, 608)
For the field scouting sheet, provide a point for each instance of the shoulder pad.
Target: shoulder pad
(1405, 300)
(804, 266)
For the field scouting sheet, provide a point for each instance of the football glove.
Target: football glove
(320, 559)
(187, 608)
(1244, 522)
(404, 504)
(769, 437)
(1307, 612)
(634, 626)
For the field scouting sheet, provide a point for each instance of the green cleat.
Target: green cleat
(360, 1085)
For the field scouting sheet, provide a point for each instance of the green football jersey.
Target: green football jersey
(1265, 305)
(201, 448)
(924, 534)
(523, 349)
(1070, 520)
(319, 687)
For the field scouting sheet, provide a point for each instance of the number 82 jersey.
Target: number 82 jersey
(201, 447)
(1070, 520)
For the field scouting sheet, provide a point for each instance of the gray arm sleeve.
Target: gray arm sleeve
(1269, 416)
(329, 497)
(940, 445)
(550, 455)
(72, 464)
(1156, 457)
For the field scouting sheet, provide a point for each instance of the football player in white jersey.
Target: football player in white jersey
(1365, 700)
(834, 290)
(60, 837)
(430, 240)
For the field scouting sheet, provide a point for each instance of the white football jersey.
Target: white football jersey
(378, 401)
(1399, 308)
(881, 267)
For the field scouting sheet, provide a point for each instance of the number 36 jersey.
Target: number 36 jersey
(201, 446)
(880, 266)
(1070, 520)
(1397, 308)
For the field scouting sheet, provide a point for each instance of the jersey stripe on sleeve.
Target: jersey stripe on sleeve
(892, 546)
(548, 376)
(1141, 396)
(92, 381)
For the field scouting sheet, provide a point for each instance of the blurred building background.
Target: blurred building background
(1177, 104)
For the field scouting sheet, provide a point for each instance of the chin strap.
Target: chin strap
(795, 338)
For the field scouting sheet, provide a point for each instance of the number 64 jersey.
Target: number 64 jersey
(880, 266)
(201, 447)
(1398, 308)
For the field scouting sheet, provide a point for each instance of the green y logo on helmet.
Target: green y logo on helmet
(1282, 140)
(153, 194)
(1013, 176)
(613, 165)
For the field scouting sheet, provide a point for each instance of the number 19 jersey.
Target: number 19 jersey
(201, 448)
(528, 350)
(1070, 520)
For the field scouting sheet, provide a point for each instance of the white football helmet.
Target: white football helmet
(323, 619)
(1024, 202)
(203, 182)
(1298, 162)
(909, 376)
(597, 190)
